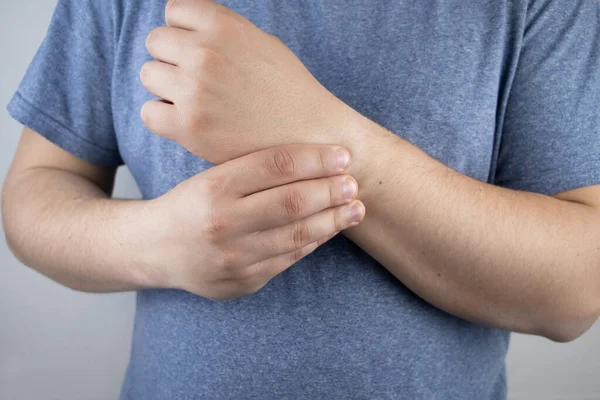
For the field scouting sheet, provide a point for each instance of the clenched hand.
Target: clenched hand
(228, 88)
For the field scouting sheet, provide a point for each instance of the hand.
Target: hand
(228, 231)
(230, 89)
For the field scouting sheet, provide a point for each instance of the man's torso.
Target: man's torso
(336, 324)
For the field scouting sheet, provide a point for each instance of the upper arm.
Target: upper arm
(550, 139)
(35, 151)
(64, 99)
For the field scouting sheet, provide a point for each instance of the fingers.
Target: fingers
(161, 118)
(294, 236)
(161, 79)
(189, 14)
(194, 15)
(281, 165)
(262, 272)
(285, 204)
(171, 45)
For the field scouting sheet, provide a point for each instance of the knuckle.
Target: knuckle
(199, 88)
(214, 23)
(300, 235)
(145, 72)
(297, 256)
(303, 252)
(213, 185)
(239, 26)
(294, 203)
(194, 122)
(146, 115)
(173, 5)
(331, 189)
(338, 222)
(324, 160)
(205, 61)
(228, 262)
(281, 164)
(198, 57)
(152, 38)
(153, 119)
(245, 275)
(215, 225)
(226, 25)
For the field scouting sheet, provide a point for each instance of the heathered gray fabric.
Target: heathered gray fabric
(504, 91)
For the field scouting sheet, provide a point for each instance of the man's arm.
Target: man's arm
(509, 259)
(59, 220)
(514, 260)
(223, 233)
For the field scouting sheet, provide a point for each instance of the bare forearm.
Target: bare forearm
(514, 260)
(65, 227)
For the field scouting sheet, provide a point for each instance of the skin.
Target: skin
(513, 260)
(222, 234)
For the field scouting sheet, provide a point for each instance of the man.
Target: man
(455, 145)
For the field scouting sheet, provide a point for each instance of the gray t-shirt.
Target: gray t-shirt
(504, 91)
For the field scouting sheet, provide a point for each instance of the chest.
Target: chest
(429, 71)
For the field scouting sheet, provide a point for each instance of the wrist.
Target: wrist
(367, 142)
(373, 149)
(145, 226)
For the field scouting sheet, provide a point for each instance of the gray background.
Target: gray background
(60, 344)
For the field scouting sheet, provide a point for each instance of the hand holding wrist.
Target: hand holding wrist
(229, 230)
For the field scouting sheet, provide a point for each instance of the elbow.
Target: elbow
(19, 253)
(17, 224)
(14, 244)
(7, 225)
(567, 324)
(11, 243)
(567, 332)
(10, 223)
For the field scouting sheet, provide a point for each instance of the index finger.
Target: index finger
(194, 14)
(281, 165)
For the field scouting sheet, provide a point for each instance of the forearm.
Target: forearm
(514, 260)
(65, 227)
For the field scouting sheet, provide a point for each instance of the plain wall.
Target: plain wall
(59, 344)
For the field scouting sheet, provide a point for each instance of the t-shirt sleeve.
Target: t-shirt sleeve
(66, 93)
(550, 139)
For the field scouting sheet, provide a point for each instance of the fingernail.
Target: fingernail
(343, 158)
(350, 188)
(356, 212)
